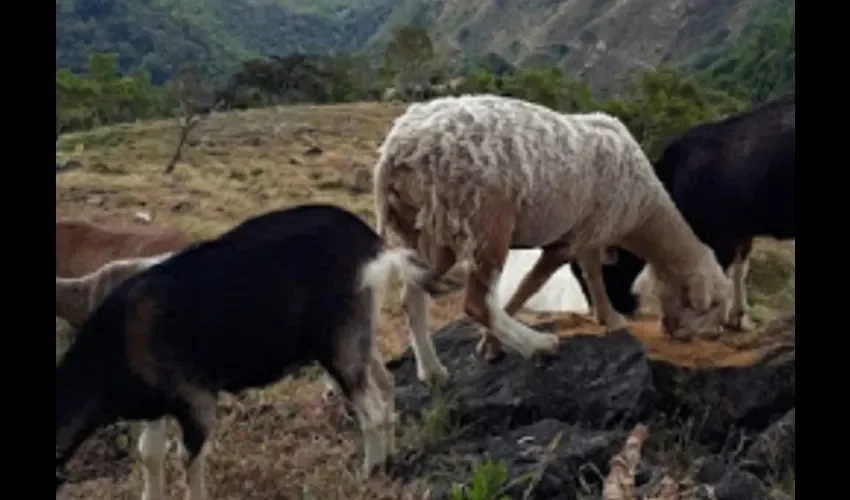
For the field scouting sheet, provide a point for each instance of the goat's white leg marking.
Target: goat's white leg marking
(331, 389)
(428, 366)
(514, 334)
(195, 475)
(739, 318)
(152, 448)
(386, 383)
(591, 266)
(371, 414)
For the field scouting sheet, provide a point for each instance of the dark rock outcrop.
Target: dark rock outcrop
(584, 400)
(601, 383)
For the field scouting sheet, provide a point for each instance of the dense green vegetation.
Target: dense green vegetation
(159, 36)
(761, 64)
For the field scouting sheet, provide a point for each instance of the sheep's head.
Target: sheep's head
(696, 305)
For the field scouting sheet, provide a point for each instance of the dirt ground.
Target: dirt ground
(283, 442)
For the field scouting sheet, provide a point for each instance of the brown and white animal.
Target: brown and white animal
(77, 298)
(465, 179)
(242, 310)
(82, 247)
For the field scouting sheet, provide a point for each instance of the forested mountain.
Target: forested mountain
(598, 41)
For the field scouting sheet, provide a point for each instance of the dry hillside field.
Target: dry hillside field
(285, 442)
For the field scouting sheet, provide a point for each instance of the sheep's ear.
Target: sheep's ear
(610, 256)
(699, 295)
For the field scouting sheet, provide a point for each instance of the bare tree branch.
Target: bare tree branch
(196, 102)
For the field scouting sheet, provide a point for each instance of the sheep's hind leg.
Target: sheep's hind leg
(738, 317)
(429, 369)
(550, 260)
(591, 266)
(482, 304)
(152, 448)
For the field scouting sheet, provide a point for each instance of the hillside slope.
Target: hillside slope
(596, 40)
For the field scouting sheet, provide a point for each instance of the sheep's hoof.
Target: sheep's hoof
(549, 344)
(615, 322)
(490, 349)
(741, 322)
(371, 470)
(682, 336)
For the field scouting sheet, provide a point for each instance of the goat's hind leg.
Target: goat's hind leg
(591, 266)
(386, 383)
(360, 385)
(360, 375)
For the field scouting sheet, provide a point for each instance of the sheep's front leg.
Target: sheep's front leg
(152, 448)
(591, 266)
(738, 317)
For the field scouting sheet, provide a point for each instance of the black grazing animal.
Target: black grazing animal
(239, 311)
(732, 180)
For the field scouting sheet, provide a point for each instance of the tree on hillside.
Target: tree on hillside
(104, 96)
(299, 78)
(413, 60)
(195, 101)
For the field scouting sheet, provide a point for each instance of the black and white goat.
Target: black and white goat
(239, 311)
(732, 180)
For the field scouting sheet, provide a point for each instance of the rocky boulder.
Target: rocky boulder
(555, 423)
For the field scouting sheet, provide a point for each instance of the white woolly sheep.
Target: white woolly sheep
(732, 180)
(467, 178)
(242, 310)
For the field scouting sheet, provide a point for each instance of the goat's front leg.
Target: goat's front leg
(738, 317)
(152, 448)
(591, 266)
(196, 415)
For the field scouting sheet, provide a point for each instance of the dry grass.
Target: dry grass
(283, 442)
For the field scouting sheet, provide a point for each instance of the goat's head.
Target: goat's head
(694, 304)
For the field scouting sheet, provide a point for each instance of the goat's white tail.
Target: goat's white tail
(414, 271)
(377, 272)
